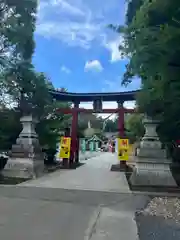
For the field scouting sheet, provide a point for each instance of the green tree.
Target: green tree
(134, 126)
(17, 76)
(9, 129)
(51, 121)
(151, 41)
(17, 25)
(111, 125)
(95, 122)
(132, 8)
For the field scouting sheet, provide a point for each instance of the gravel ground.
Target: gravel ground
(168, 208)
(160, 219)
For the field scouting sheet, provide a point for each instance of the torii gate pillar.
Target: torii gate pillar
(74, 133)
(121, 128)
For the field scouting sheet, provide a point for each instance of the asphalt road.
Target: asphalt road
(89, 203)
(158, 228)
(43, 214)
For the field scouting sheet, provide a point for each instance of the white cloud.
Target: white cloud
(76, 22)
(65, 69)
(67, 7)
(93, 65)
(70, 21)
(113, 47)
(69, 32)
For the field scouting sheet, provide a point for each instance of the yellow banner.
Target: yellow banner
(123, 155)
(123, 143)
(123, 149)
(65, 147)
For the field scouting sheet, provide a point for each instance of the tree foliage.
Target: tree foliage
(9, 129)
(151, 42)
(111, 125)
(17, 25)
(18, 76)
(134, 126)
(51, 121)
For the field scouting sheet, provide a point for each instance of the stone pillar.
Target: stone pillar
(152, 165)
(26, 158)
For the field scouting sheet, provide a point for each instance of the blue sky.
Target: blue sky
(75, 48)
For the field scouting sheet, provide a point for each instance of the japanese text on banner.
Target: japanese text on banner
(65, 147)
(123, 149)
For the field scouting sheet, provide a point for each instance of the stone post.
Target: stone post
(26, 158)
(152, 165)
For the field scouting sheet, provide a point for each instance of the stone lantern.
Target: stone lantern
(152, 167)
(26, 157)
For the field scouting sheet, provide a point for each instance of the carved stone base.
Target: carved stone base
(23, 168)
(153, 175)
(153, 153)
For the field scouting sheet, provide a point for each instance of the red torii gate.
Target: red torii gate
(97, 99)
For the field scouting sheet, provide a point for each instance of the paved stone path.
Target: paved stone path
(94, 175)
(89, 203)
(84, 155)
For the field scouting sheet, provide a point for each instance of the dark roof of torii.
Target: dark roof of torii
(89, 97)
